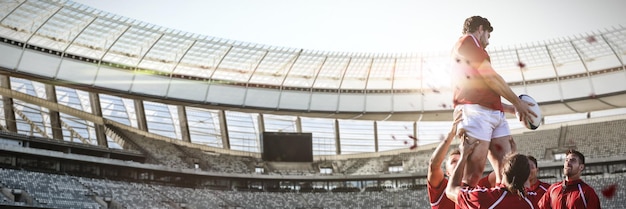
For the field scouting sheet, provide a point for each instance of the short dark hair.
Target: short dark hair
(533, 159)
(474, 22)
(580, 156)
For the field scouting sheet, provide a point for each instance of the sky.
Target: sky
(373, 26)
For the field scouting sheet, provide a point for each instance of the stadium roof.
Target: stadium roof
(128, 58)
(371, 25)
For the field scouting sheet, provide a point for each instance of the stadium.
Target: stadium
(103, 111)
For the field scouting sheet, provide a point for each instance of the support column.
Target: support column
(375, 136)
(337, 140)
(261, 123)
(96, 109)
(415, 129)
(55, 117)
(7, 103)
(224, 129)
(184, 124)
(140, 113)
(299, 124)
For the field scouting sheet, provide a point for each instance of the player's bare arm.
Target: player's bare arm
(508, 108)
(499, 85)
(454, 185)
(435, 173)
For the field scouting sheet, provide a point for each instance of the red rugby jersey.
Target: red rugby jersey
(570, 195)
(539, 188)
(469, 86)
(496, 198)
(437, 196)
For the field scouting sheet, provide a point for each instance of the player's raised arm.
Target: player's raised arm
(499, 85)
(435, 173)
(454, 184)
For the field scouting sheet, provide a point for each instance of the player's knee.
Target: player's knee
(500, 147)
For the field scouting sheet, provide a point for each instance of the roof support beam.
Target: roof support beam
(282, 83)
(556, 73)
(245, 95)
(96, 109)
(619, 58)
(343, 76)
(217, 66)
(317, 74)
(582, 60)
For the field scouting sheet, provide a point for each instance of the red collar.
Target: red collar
(572, 182)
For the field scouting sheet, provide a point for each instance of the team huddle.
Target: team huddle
(481, 126)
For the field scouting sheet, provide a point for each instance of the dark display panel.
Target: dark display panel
(287, 147)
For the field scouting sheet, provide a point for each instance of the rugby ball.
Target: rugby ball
(534, 122)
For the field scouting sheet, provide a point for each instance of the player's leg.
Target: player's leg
(476, 163)
(501, 145)
(476, 125)
(498, 149)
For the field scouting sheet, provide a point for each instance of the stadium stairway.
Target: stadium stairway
(229, 203)
(150, 158)
(166, 198)
(92, 194)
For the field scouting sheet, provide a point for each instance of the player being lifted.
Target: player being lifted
(477, 92)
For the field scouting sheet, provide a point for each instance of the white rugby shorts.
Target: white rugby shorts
(481, 122)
